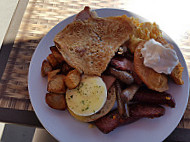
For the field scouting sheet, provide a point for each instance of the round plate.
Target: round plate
(65, 128)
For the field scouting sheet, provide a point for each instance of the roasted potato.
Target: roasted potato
(72, 79)
(56, 84)
(52, 73)
(46, 67)
(66, 68)
(56, 101)
(56, 54)
(52, 60)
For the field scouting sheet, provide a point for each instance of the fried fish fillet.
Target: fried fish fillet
(153, 80)
(89, 45)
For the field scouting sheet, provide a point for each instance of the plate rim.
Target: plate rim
(71, 17)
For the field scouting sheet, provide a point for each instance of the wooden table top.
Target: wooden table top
(40, 16)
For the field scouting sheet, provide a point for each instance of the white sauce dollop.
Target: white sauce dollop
(158, 57)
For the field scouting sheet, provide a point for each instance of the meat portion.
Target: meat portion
(85, 14)
(145, 110)
(108, 80)
(113, 120)
(109, 122)
(120, 104)
(144, 95)
(136, 78)
(123, 76)
(122, 63)
(128, 93)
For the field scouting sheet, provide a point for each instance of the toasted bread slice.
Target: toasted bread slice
(153, 80)
(111, 98)
(89, 45)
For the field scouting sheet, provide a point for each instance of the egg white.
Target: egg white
(89, 97)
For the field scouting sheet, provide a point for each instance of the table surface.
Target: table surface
(34, 18)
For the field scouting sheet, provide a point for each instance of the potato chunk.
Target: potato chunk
(46, 67)
(56, 84)
(56, 101)
(53, 73)
(66, 68)
(52, 60)
(56, 54)
(72, 79)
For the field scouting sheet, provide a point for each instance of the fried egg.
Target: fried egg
(89, 97)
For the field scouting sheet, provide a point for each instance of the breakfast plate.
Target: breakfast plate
(64, 127)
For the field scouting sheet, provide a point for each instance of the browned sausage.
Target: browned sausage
(145, 110)
(113, 120)
(136, 78)
(128, 93)
(148, 96)
(120, 104)
(123, 76)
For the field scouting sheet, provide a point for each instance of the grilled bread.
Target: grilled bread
(89, 45)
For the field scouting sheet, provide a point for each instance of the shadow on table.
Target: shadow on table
(14, 64)
(179, 135)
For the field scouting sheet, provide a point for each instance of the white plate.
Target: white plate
(65, 128)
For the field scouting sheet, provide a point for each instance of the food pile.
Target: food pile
(99, 62)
